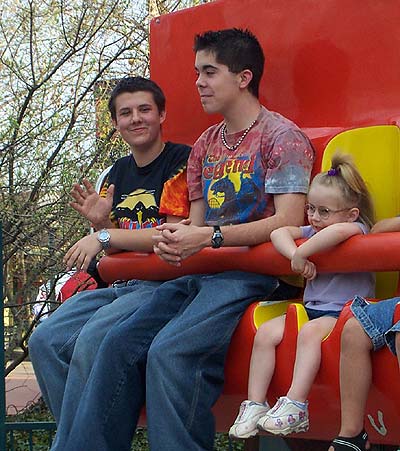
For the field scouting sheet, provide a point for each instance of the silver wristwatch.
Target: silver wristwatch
(104, 238)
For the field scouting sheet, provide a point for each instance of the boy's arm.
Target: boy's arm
(197, 212)
(179, 241)
(95, 208)
(289, 211)
(387, 225)
(84, 250)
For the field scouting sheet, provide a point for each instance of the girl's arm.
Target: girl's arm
(324, 239)
(328, 237)
(387, 225)
(283, 240)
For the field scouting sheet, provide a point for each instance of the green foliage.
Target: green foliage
(40, 439)
(52, 56)
(57, 59)
(20, 440)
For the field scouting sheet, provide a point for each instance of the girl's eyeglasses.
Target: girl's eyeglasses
(323, 212)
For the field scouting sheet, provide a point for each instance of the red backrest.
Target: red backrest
(328, 64)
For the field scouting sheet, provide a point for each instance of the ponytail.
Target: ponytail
(345, 176)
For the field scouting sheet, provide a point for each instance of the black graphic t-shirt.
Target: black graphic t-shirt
(145, 196)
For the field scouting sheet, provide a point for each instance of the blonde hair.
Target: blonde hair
(345, 176)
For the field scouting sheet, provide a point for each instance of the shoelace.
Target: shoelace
(242, 409)
(281, 401)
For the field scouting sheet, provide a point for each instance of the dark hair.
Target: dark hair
(134, 84)
(236, 48)
(345, 176)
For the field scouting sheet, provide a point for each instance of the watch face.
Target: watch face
(217, 239)
(104, 238)
(104, 235)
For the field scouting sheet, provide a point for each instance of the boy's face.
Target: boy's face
(217, 86)
(138, 119)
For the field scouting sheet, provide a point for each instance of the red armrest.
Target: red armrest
(374, 252)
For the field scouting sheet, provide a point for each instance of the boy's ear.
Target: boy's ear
(354, 214)
(163, 116)
(114, 122)
(245, 78)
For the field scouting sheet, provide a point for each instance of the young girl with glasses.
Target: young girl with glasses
(339, 206)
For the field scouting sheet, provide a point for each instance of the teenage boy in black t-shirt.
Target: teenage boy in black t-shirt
(142, 190)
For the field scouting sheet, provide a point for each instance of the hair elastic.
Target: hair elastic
(333, 171)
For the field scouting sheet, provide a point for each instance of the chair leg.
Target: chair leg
(306, 445)
(384, 448)
(252, 444)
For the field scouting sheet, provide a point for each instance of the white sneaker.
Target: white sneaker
(245, 425)
(285, 417)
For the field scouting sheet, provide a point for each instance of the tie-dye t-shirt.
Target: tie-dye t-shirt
(274, 158)
(145, 196)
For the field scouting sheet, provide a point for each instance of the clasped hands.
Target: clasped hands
(177, 241)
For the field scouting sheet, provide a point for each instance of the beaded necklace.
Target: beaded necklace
(239, 141)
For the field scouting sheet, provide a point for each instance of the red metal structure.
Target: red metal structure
(333, 67)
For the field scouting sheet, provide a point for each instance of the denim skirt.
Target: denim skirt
(377, 321)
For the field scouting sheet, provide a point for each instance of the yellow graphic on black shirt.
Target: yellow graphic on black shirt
(143, 207)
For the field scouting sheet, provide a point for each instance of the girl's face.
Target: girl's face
(326, 206)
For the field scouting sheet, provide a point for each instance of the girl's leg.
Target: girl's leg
(397, 340)
(262, 366)
(355, 378)
(290, 413)
(308, 356)
(262, 363)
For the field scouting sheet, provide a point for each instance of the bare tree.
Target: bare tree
(57, 59)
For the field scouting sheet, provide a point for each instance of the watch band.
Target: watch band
(217, 238)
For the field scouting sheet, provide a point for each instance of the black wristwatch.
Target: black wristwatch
(104, 238)
(217, 238)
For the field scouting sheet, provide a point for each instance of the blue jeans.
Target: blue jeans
(377, 321)
(64, 346)
(170, 352)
